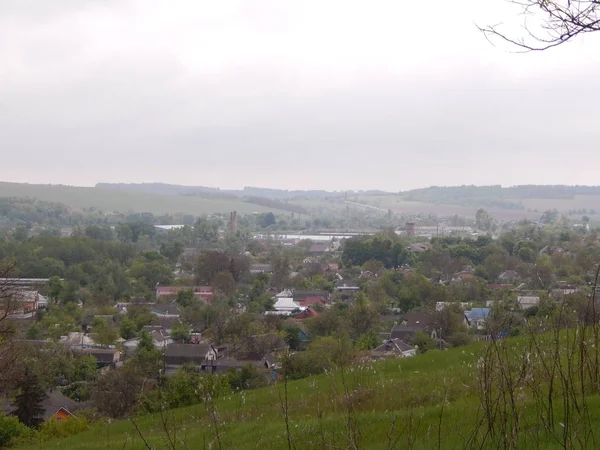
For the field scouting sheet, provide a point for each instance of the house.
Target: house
(368, 274)
(56, 406)
(346, 286)
(509, 276)
(223, 365)
(308, 313)
(170, 292)
(477, 317)
(166, 309)
(104, 356)
(413, 323)
(261, 268)
(332, 267)
(179, 354)
(313, 300)
(77, 340)
(160, 339)
(317, 249)
(284, 306)
(420, 247)
(165, 324)
(528, 301)
(300, 296)
(285, 293)
(393, 348)
(459, 277)
(17, 301)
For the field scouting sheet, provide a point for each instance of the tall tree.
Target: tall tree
(29, 401)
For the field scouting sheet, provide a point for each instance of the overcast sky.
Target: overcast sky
(295, 94)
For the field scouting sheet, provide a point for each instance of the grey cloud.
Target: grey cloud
(146, 116)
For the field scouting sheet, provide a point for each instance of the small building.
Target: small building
(528, 301)
(308, 313)
(312, 301)
(420, 247)
(393, 348)
(509, 276)
(166, 309)
(284, 306)
(318, 249)
(105, 357)
(170, 292)
(76, 340)
(346, 286)
(179, 354)
(301, 295)
(477, 317)
(261, 268)
(413, 323)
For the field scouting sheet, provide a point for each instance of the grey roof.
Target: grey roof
(177, 354)
(55, 400)
(103, 355)
(395, 346)
(261, 267)
(166, 308)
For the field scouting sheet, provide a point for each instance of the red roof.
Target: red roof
(205, 292)
(307, 314)
(312, 300)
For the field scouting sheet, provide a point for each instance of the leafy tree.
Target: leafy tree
(172, 251)
(209, 264)
(268, 220)
(127, 328)
(367, 341)
(55, 288)
(247, 378)
(292, 337)
(224, 283)
(483, 221)
(103, 333)
(151, 268)
(126, 383)
(180, 333)
(362, 317)
(424, 343)
(185, 297)
(29, 400)
(33, 332)
(145, 344)
(85, 368)
(11, 429)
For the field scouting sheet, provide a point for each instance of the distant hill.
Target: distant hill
(497, 196)
(126, 200)
(248, 191)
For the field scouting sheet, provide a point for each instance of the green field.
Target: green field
(398, 204)
(109, 200)
(425, 402)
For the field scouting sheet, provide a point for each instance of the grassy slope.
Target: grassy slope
(409, 391)
(126, 201)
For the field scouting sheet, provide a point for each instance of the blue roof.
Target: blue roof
(478, 313)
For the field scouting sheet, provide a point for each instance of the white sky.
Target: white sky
(307, 94)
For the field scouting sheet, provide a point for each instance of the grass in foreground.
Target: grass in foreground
(426, 402)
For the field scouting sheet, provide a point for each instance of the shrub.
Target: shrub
(53, 429)
(11, 429)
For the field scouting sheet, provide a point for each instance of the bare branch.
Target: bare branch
(559, 21)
